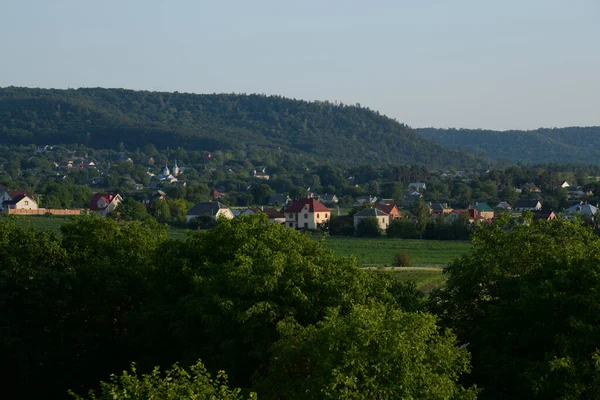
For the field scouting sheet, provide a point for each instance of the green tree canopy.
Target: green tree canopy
(526, 300)
(373, 352)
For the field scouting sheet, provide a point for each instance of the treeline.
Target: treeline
(272, 307)
(572, 145)
(285, 318)
(106, 118)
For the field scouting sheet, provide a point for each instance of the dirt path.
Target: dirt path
(414, 268)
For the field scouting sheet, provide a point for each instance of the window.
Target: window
(306, 225)
(326, 215)
(306, 216)
(317, 216)
(26, 203)
(291, 224)
(291, 215)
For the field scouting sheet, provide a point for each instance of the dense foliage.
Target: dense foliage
(175, 384)
(77, 307)
(107, 118)
(573, 145)
(526, 300)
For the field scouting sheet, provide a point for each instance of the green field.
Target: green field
(426, 280)
(381, 251)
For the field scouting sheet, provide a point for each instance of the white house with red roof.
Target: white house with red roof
(306, 214)
(103, 203)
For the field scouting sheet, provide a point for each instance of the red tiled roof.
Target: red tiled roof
(215, 193)
(388, 208)
(107, 197)
(313, 206)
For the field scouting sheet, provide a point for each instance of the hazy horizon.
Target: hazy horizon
(461, 64)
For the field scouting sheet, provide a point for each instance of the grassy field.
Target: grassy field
(381, 251)
(426, 280)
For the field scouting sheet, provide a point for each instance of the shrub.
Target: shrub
(402, 259)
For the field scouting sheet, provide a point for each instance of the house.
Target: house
(419, 186)
(280, 199)
(565, 184)
(21, 201)
(527, 205)
(530, 187)
(260, 173)
(439, 208)
(306, 213)
(103, 203)
(365, 199)
(213, 209)
(583, 209)
(158, 195)
(391, 210)
(454, 215)
(411, 196)
(215, 194)
(484, 211)
(273, 214)
(503, 206)
(543, 215)
(329, 199)
(382, 218)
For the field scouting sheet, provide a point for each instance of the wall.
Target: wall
(42, 211)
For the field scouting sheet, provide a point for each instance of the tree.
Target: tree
(421, 212)
(525, 299)
(239, 279)
(160, 211)
(373, 352)
(402, 228)
(129, 210)
(176, 383)
(368, 227)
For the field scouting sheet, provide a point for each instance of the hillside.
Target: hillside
(574, 145)
(104, 118)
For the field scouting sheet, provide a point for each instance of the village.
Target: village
(145, 179)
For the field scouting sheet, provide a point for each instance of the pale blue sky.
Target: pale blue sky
(507, 64)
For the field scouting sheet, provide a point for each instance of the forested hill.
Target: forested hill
(574, 145)
(104, 118)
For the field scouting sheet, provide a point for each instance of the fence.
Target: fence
(42, 211)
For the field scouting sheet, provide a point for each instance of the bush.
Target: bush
(402, 259)
(368, 227)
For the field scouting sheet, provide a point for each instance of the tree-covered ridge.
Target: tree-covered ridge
(572, 145)
(104, 118)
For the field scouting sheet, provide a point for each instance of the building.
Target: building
(103, 203)
(484, 211)
(306, 213)
(527, 205)
(585, 210)
(391, 210)
(383, 219)
(213, 209)
(419, 186)
(21, 201)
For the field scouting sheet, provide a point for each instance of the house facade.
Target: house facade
(306, 213)
(213, 209)
(20, 202)
(527, 205)
(383, 219)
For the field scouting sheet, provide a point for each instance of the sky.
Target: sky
(510, 64)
